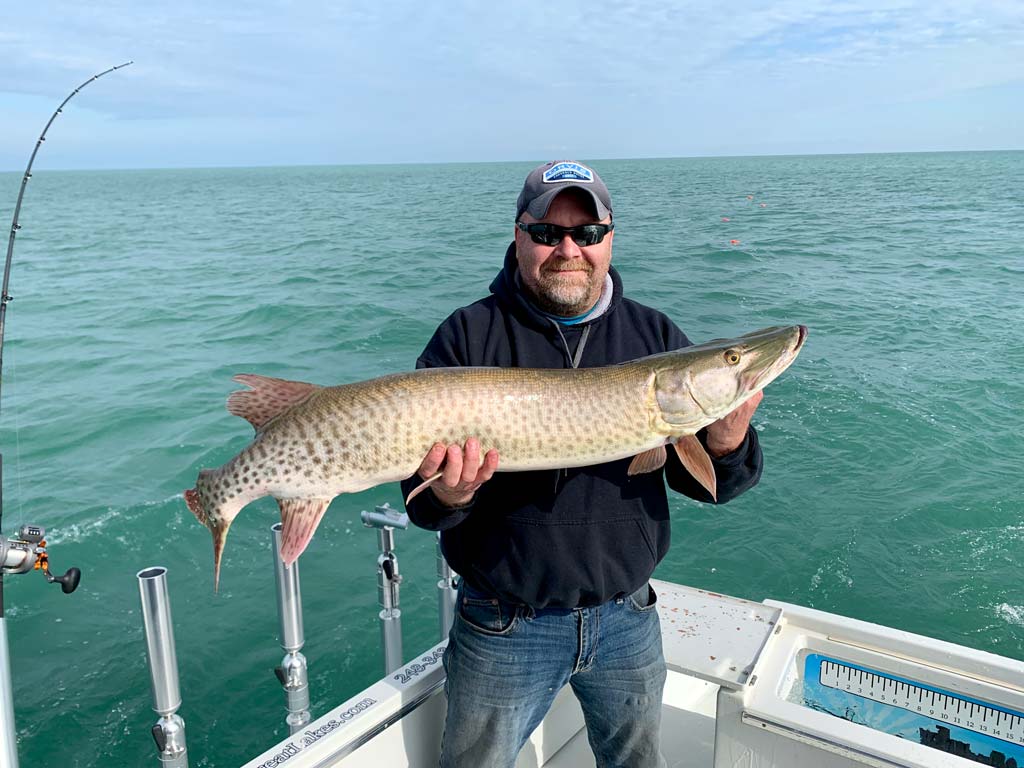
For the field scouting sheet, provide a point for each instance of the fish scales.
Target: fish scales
(348, 438)
(313, 443)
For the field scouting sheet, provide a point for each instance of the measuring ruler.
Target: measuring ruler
(873, 696)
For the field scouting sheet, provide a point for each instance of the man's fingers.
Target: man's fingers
(745, 411)
(756, 400)
(471, 461)
(432, 461)
(489, 467)
(460, 468)
(452, 472)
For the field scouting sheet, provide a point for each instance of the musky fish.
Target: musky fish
(313, 443)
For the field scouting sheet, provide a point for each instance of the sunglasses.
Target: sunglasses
(552, 234)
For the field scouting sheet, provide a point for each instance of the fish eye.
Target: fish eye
(732, 356)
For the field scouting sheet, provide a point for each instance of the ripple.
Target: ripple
(892, 445)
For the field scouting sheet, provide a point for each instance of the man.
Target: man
(555, 564)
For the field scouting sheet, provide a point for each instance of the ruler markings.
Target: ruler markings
(938, 705)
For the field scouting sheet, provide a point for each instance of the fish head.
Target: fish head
(698, 385)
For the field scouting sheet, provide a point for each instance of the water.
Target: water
(892, 491)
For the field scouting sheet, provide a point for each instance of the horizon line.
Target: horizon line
(503, 162)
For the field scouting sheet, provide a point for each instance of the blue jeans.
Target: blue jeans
(506, 663)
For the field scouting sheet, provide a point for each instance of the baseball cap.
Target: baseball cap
(547, 181)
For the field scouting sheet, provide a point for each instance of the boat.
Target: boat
(749, 684)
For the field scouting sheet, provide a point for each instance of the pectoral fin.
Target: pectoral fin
(648, 461)
(299, 519)
(697, 462)
(422, 487)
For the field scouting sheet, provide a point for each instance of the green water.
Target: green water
(892, 490)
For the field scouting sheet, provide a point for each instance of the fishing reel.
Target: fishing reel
(27, 552)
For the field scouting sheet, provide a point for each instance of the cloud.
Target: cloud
(409, 77)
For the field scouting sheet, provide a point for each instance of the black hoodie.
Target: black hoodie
(565, 538)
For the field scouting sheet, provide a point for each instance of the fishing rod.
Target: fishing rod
(25, 551)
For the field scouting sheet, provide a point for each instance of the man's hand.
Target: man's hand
(462, 473)
(727, 434)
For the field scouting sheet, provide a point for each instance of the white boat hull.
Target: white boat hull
(733, 668)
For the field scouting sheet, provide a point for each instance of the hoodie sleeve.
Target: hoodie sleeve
(445, 349)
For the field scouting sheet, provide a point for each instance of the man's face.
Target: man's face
(564, 279)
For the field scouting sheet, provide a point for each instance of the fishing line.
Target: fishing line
(19, 517)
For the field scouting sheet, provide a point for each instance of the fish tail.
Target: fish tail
(217, 523)
(220, 535)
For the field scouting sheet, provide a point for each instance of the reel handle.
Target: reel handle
(68, 582)
(27, 552)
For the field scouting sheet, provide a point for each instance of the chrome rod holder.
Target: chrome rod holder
(385, 520)
(8, 734)
(447, 583)
(169, 731)
(293, 672)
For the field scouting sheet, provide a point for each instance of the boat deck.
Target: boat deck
(688, 730)
(732, 665)
(398, 722)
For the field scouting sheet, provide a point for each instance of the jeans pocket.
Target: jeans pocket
(487, 615)
(644, 599)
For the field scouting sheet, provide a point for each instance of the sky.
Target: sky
(270, 82)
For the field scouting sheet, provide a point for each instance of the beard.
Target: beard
(566, 293)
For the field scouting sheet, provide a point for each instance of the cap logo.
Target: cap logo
(568, 172)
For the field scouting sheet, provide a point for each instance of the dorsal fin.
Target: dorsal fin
(268, 397)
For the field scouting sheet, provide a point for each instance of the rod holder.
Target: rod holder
(385, 520)
(446, 593)
(8, 733)
(293, 672)
(169, 731)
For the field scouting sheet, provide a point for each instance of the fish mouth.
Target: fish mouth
(781, 363)
(801, 338)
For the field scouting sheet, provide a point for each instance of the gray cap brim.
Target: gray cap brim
(538, 207)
